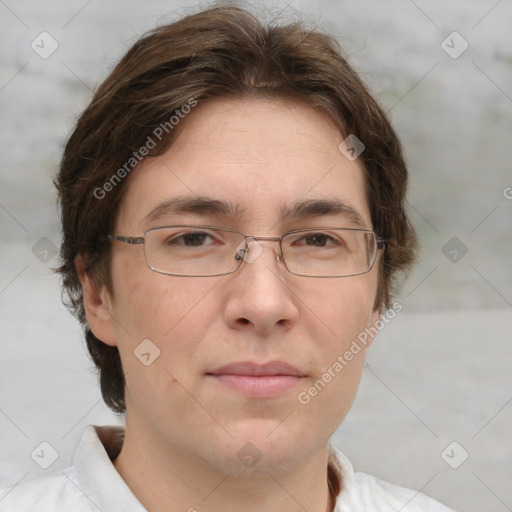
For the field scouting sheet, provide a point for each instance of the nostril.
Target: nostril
(244, 321)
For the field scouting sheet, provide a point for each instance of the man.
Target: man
(233, 216)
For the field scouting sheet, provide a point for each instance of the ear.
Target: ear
(98, 306)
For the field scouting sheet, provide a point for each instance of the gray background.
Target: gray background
(439, 372)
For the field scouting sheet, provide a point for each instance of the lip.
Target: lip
(258, 380)
(249, 368)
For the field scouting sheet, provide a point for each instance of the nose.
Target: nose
(259, 297)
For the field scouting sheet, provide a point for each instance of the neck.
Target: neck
(160, 476)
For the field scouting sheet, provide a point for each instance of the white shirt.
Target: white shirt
(93, 484)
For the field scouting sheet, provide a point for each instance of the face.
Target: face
(240, 353)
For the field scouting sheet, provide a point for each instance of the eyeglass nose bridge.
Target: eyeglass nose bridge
(249, 256)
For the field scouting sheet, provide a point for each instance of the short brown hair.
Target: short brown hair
(222, 52)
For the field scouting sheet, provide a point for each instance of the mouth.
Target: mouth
(258, 380)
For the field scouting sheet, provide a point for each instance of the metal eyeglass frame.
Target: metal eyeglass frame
(240, 255)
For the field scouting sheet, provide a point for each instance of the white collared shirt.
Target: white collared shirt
(92, 483)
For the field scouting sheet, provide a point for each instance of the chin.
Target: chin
(262, 447)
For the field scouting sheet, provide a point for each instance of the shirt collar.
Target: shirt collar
(96, 476)
(348, 499)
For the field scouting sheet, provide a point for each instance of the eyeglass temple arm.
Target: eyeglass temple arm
(133, 240)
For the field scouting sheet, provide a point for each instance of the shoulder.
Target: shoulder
(361, 491)
(90, 484)
(384, 495)
(47, 493)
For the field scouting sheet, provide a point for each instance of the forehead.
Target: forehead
(262, 157)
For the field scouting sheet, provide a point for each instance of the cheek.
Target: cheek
(161, 322)
(339, 313)
(153, 304)
(174, 313)
(340, 310)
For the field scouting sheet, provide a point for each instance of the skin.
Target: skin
(183, 428)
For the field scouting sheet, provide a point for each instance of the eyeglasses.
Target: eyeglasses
(195, 251)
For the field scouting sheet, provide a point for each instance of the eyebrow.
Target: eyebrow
(298, 210)
(197, 205)
(317, 207)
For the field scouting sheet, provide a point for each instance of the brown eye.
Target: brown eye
(318, 240)
(191, 239)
